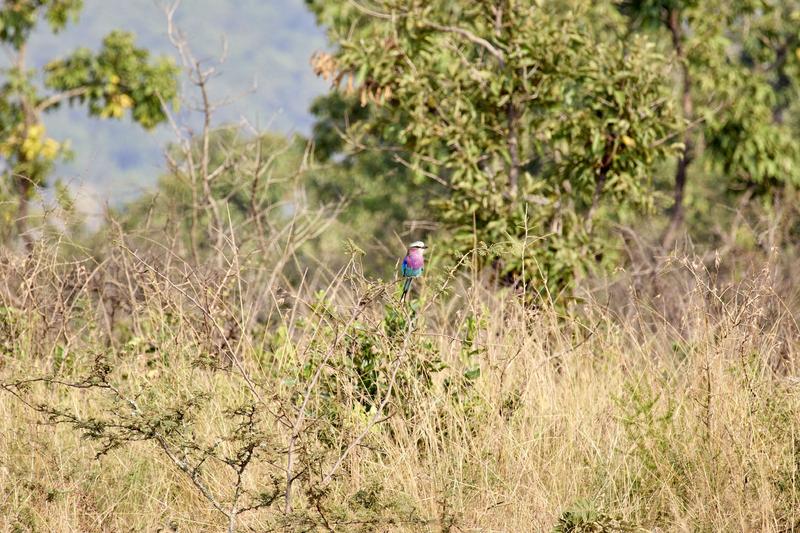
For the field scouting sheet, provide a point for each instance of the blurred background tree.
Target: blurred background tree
(117, 79)
(532, 119)
(737, 87)
(384, 200)
(552, 132)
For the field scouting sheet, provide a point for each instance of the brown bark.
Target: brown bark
(600, 183)
(681, 172)
(215, 229)
(23, 192)
(513, 148)
(512, 116)
(24, 184)
(782, 79)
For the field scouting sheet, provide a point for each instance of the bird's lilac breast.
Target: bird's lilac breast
(415, 261)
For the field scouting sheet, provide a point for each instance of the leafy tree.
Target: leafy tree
(532, 119)
(754, 140)
(383, 198)
(118, 78)
(738, 77)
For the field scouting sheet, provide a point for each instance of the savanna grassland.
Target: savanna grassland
(142, 393)
(604, 337)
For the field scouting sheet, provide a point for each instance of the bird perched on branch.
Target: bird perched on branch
(413, 265)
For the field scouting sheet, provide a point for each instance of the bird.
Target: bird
(413, 265)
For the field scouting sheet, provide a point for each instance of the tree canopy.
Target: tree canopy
(530, 118)
(111, 81)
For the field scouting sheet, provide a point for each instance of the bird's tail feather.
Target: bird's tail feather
(406, 288)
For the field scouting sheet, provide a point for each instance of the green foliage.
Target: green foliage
(10, 322)
(521, 121)
(373, 355)
(739, 66)
(751, 139)
(120, 76)
(652, 14)
(471, 350)
(380, 193)
(18, 18)
(537, 133)
(585, 517)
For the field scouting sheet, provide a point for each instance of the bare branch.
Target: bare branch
(60, 97)
(489, 47)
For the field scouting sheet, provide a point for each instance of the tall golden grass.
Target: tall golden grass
(144, 393)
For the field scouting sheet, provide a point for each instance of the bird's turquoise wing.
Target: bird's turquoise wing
(413, 272)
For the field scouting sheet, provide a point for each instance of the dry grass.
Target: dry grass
(202, 377)
(623, 417)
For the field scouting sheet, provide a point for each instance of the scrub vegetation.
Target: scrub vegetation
(604, 338)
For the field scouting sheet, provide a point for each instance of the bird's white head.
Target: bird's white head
(417, 244)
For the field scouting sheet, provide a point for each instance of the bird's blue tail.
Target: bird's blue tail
(406, 288)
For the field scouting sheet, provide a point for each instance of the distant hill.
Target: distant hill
(268, 41)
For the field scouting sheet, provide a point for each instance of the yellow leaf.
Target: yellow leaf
(112, 110)
(35, 132)
(628, 141)
(50, 149)
(29, 148)
(125, 101)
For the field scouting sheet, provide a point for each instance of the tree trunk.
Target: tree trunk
(24, 184)
(600, 183)
(782, 80)
(681, 173)
(512, 117)
(513, 148)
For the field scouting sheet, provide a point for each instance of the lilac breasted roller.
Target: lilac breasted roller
(413, 265)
